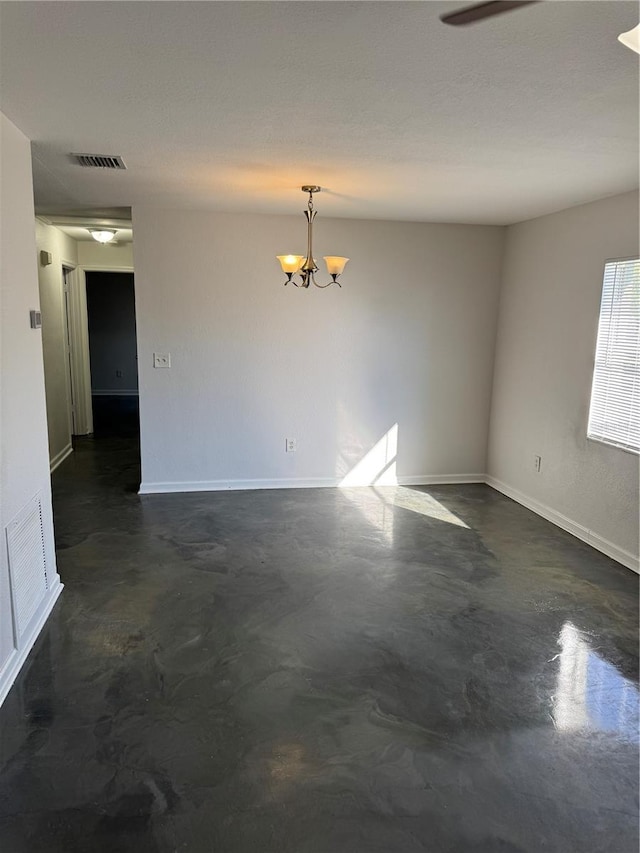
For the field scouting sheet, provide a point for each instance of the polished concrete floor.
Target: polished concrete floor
(320, 671)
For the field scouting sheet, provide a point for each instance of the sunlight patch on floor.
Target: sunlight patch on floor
(591, 693)
(379, 505)
(420, 502)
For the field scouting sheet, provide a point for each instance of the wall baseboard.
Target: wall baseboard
(232, 485)
(59, 458)
(312, 483)
(16, 661)
(105, 392)
(578, 530)
(440, 479)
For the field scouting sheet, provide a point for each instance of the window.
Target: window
(614, 414)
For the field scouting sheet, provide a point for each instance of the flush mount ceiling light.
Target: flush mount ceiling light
(306, 267)
(631, 39)
(102, 235)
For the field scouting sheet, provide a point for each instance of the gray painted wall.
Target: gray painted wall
(403, 351)
(549, 309)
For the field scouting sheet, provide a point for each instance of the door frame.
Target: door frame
(68, 270)
(79, 333)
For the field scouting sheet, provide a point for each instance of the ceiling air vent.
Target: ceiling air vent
(99, 161)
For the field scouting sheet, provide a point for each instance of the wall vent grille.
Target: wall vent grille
(27, 563)
(100, 161)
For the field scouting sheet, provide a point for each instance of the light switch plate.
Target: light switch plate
(161, 359)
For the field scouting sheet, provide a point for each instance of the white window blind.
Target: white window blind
(614, 414)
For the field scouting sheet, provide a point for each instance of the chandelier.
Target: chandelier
(306, 267)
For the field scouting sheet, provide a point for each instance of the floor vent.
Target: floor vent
(27, 563)
(100, 161)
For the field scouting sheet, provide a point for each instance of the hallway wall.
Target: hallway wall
(56, 365)
(100, 256)
(24, 462)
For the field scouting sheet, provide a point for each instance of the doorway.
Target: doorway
(113, 356)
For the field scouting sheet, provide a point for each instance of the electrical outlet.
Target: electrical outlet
(291, 445)
(537, 463)
(118, 374)
(161, 359)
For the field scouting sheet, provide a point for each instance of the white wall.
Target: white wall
(56, 362)
(98, 256)
(408, 340)
(549, 309)
(24, 463)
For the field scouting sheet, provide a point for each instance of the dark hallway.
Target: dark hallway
(336, 671)
(115, 417)
(111, 317)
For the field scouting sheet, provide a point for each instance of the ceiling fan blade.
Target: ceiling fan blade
(471, 14)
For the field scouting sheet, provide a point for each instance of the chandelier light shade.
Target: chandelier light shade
(335, 264)
(102, 235)
(290, 263)
(304, 266)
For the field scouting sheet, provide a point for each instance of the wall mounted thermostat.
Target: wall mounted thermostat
(46, 258)
(36, 319)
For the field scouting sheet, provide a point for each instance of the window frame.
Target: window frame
(598, 440)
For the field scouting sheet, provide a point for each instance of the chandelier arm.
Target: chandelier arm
(297, 283)
(302, 282)
(306, 279)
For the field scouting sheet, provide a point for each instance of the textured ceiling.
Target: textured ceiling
(232, 106)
